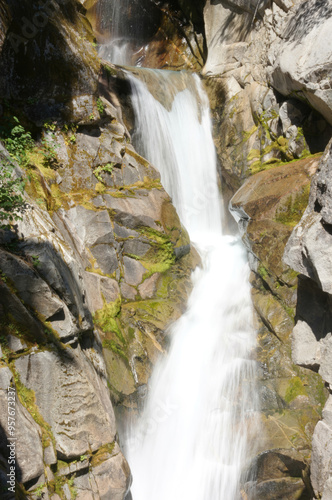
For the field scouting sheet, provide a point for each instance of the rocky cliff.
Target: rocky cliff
(94, 271)
(268, 76)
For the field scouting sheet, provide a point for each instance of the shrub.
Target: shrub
(11, 199)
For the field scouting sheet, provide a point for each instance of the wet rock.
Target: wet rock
(281, 489)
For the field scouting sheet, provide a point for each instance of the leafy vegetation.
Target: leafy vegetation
(100, 106)
(11, 200)
(17, 140)
(108, 168)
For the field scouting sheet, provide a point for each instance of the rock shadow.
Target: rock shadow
(309, 14)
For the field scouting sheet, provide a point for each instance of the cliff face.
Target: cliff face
(268, 77)
(91, 275)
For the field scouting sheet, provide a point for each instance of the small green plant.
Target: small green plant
(70, 130)
(92, 117)
(39, 491)
(49, 154)
(12, 203)
(50, 126)
(35, 260)
(103, 168)
(100, 106)
(83, 457)
(18, 142)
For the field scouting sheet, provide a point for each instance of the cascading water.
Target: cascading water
(194, 437)
(117, 50)
(192, 441)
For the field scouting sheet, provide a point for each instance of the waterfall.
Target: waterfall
(194, 437)
(112, 14)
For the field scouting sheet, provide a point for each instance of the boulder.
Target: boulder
(321, 457)
(72, 399)
(301, 59)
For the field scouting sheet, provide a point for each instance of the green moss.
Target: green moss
(291, 213)
(110, 71)
(161, 255)
(295, 388)
(263, 272)
(113, 346)
(247, 134)
(57, 484)
(105, 318)
(131, 333)
(102, 454)
(108, 168)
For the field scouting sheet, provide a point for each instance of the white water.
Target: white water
(193, 439)
(117, 50)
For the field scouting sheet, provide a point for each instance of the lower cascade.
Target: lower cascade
(195, 436)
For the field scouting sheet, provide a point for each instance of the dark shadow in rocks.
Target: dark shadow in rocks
(314, 307)
(14, 313)
(5, 494)
(309, 14)
(40, 71)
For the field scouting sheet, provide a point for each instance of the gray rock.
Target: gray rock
(325, 369)
(123, 232)
(94, 228)
(302, 57)
(62, 271)
(15, 344)
(6, 377)
(34, 292)
(100, 289)
(148, 288)
(106, 257)
(305, 347)
(128, 292)
(321, 460)
(136, 247)
(113, 476)
(71, 398)
(30, 287)
(292, 112)
(50, 455)
(133, 271)
(28, 447)
(309, 249)
(327, 493)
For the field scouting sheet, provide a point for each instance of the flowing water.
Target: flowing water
(195, 435)
(193, 439)
(112, 13)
